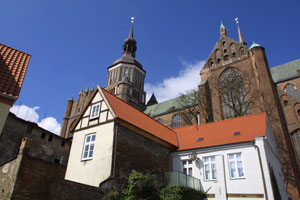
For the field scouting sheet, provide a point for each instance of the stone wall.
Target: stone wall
(51, 147)
(31, 178)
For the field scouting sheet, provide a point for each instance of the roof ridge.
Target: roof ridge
(221, 121)
(138, 110)
(293, 61)
(15, 49)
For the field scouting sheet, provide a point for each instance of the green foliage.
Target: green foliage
(146, 187)
(141, 186)
(179, 192)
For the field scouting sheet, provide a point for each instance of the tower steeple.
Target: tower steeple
(126, 75)
(223, 29)
(241, 38)
(129, 47)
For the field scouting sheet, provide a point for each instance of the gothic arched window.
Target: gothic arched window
(176, 121)
(292, 91)
(233, 95)
(160, 120)
(296, 143)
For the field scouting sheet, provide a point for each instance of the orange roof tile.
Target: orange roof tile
(222, 132)
(140, 120)
(13, 66)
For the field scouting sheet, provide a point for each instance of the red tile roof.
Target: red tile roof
(222, 132)
(140, 120)
(13, 66)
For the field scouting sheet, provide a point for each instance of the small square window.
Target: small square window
(43, 136)
(88, 147)
(95, 111)
(187, 167)
(50, 138)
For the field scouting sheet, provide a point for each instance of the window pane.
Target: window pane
(206, 159)
(190, 162)
(86, 148)
(232, 169)
(88, 138)
(207, 172)
(240, 168)
(231, 156)
(184, 171)
(85, 154)
(92, 147)
(212, 158)
(191, 171)
(91, 154)
(93, 137)
(238, 155)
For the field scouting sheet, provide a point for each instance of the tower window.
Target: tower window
(298, 112)
(285, 103)
(50, 138)
(226, 57)
(211, 63)
(43, 136)
(225, 51)
(233, 54)
(219, 60)
(224, 44)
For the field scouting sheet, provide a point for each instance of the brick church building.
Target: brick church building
(236, 80)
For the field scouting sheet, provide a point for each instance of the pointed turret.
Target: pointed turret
(223, 29)
(152, 100)
(254, 45)
(241, 38)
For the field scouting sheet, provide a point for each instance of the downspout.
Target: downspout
(261, 168)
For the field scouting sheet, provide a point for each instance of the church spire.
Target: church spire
(241, 38)
(223, 29)
(129, 47)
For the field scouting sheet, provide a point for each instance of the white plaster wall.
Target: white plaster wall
(273, 161)
(91, 172)
(251, 184)
(4, 110)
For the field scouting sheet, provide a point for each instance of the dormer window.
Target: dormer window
(95, 111)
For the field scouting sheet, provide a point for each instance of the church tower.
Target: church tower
(126, 75)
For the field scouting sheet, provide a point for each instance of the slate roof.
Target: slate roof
(285, 71)
(13, 66)
(139, 119)
(164, 107)
(222, 132)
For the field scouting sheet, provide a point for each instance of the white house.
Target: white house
(234, 158)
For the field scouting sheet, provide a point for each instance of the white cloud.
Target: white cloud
(30, 114)
(171, 87)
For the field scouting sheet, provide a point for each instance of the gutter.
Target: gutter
(261, 168)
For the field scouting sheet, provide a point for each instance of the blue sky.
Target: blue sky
(73, 42)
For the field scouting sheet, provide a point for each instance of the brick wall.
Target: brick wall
(134, 151)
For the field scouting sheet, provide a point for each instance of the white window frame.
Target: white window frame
(235, 160)
(187, 167)
(209, 163)
(88, 146)
(92, 115)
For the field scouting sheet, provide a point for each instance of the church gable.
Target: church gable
(225, 52)
(97, 112)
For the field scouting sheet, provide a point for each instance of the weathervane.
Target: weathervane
(237, 20)
(132, 20)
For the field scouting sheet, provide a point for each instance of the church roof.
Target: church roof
(13, 66)
(286, 71)
(135, 117)
(164, 107)
(230, 131)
